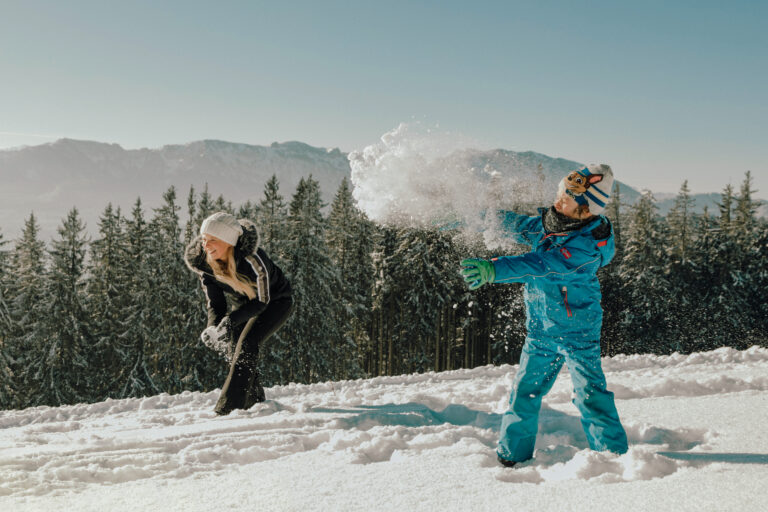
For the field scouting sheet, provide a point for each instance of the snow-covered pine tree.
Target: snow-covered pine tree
(748, 263)
(758, 273)
(190, 231)
(745, 221)
(29, 304)
(614, 214)
(384, 298)
(60, 370)
(7, 390)
(423, 259)
(137, 378)
(170, 321)
(726, 208)
(222, 205)
(610, 281)
(108, 296)
(680, 220)
(718, 270)
(349, 240)
(314, 278)
(247, 210)
(205, 207)
(709, 334)
(645, 286)
(272, 220)
(484, 326)
(684, 295)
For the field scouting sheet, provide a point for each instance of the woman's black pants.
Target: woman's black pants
(242, 388)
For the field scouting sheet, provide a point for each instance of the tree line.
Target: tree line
(120, 315)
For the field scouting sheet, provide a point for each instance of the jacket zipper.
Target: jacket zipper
(565, 298)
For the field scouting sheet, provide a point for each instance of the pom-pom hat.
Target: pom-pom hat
(590, 186)
(223, 226)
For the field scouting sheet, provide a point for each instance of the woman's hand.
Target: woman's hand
(219, 337)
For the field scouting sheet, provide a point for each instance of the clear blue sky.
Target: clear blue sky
(662, 90)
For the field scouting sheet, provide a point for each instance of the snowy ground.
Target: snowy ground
(697, 427)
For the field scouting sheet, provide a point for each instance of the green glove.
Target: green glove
(476, 272)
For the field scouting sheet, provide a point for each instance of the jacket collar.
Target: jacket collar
(248, 243)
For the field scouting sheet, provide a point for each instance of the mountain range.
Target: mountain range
(50, 179)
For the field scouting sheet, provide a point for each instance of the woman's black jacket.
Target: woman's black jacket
(252, 262)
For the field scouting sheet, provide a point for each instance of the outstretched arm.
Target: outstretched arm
(523, 229)
(550, 265)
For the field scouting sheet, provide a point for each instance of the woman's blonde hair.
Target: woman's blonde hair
(226, 272)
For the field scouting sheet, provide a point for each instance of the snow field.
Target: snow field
(411, 442)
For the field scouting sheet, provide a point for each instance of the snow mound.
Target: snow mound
(682, 414)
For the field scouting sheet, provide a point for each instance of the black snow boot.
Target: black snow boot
(255, 393)
(233, 392)
(506, 463)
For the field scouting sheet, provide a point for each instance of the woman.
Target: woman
(248, 299)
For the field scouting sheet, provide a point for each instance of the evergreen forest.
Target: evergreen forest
(119, 315)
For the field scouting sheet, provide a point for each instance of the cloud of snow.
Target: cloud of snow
(418, 176)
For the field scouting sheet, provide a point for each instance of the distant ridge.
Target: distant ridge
(51, 178)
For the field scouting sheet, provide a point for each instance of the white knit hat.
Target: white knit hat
(223, 226)
(590, 186)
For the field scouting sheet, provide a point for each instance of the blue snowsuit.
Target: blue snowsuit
(564, 318)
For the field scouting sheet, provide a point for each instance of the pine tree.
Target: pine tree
(422, 260)
(28, 308)
(680, 270)
(170, 322)
(60, 369)
(726, 208)
(205, 207)
(314, 278)
(613, 212)
(748, 264)
(680, 221)
(222, 205)
(108, 295)
(7, 384)
(610, 281)
(758, 272)
(349, 240)
(746, 208)
(644, 283)
(137, 377)
(384, 301)
(190, 231)
(271, 219)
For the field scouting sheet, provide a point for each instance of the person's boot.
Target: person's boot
(234, 390)
(255, 393)
(504, 462)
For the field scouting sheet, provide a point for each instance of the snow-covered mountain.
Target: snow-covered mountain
(666, 202)
(50, 179)
(696, 426)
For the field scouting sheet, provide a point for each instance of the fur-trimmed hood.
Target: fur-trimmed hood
(247, 244)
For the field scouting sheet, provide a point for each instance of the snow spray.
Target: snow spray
(424, 177)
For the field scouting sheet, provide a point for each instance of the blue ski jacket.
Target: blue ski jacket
(562, 293)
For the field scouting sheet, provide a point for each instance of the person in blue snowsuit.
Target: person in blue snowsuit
(570, 242)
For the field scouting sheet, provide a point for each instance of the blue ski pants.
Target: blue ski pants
(540, 363)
